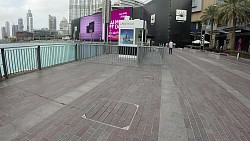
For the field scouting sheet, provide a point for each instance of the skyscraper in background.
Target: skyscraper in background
(3, 31)
(52, 23)
(7, 28)
(130, 3)
(64, 27)
(29, 19)
(79, 8)
(30, 24)
(14, 29)
(20, 24)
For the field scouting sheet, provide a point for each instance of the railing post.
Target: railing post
(138, 55)
(81, 48)
(0, 73)
(39, 58)
(4, 64)
(76, 53)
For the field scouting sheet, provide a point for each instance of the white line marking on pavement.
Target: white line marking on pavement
(223, 84)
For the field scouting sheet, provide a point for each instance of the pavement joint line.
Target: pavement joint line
(236, 93)
(233, 91)
(44, 97)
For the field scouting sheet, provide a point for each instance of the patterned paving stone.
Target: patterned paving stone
(107, 94)
(195, 97)
(113, 113)
(211, 111)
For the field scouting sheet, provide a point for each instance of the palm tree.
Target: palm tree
(233, 12)
(209, 17)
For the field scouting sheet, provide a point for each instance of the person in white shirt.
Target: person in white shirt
(170, 44)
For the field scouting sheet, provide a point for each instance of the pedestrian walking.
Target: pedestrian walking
(167, 45)
(170, 44)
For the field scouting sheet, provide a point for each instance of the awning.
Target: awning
(242, 28)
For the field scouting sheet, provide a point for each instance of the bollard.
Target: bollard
(238, 55)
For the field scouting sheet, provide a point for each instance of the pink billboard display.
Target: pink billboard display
(113, 27)
(91, 27)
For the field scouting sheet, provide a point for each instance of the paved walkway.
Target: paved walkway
(214, 96)
(195, 97)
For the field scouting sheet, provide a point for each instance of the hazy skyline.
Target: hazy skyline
(11, 10)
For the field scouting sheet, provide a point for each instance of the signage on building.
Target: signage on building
(181, 15)
(91, 27)
(131, 23)
(152, 19)
(113, 26)
(196, 5)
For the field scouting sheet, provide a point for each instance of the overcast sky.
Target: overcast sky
(11, 10)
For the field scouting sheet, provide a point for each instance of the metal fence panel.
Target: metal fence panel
(20, 60)
(111, 54)
(25, 59)
(56, 54)
(153, 56)
(114, 54)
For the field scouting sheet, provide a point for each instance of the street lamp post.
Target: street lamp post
(80, 13)
(106, 16)
(202, 38)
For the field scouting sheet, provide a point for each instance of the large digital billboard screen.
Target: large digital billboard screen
(113, 27)
(91, 27)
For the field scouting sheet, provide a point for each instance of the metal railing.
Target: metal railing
(111, 54)
(114, 54)
(152, 55)
(15, 60)
(56, 54)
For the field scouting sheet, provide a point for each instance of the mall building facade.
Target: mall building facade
(171, 22)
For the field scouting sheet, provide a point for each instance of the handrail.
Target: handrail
(35, 45)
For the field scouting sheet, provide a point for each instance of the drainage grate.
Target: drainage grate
(113, 113)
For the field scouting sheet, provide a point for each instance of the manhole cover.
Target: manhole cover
(113, 113)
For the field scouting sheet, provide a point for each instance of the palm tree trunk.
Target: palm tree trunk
(211, 35)
(233, 32)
